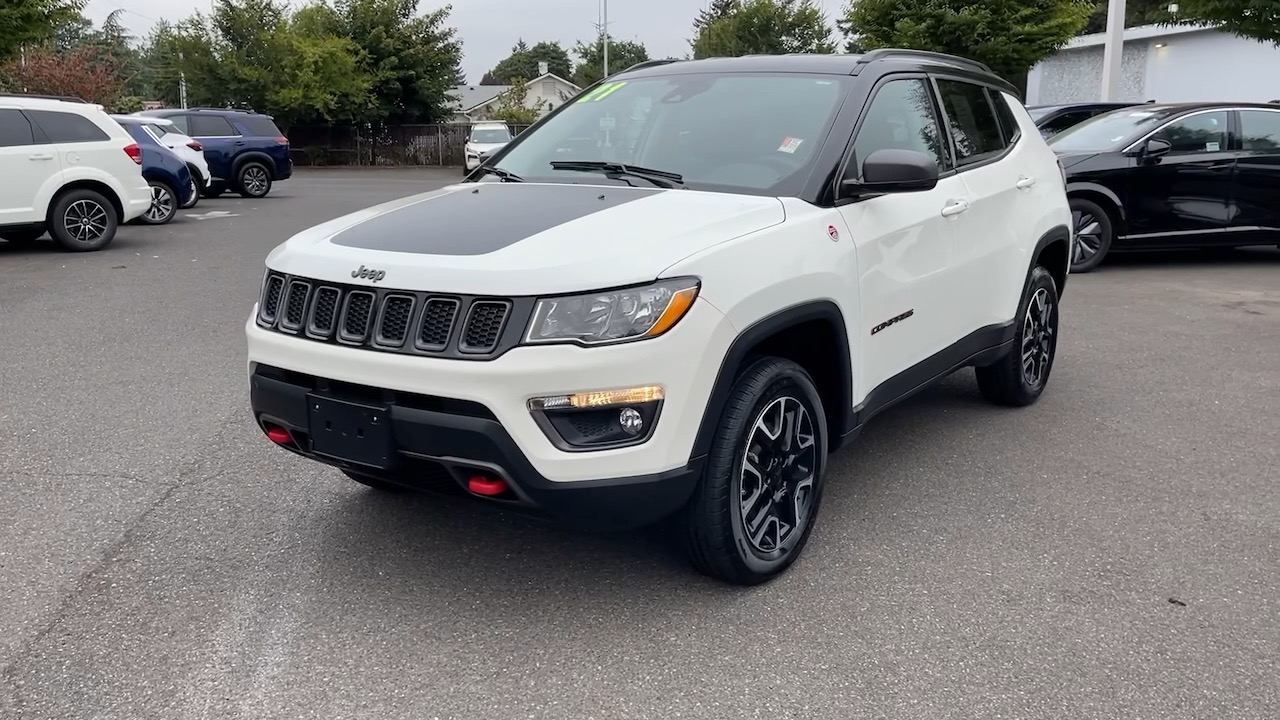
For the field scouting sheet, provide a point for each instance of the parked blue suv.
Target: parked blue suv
(170, 179)
(245, 150)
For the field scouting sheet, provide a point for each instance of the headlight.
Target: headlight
(612, 315)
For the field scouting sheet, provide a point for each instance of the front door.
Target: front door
(28, 167)
(1257, 186)
(1185, 194)
(904, 239)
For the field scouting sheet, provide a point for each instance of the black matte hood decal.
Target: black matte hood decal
(483, 218)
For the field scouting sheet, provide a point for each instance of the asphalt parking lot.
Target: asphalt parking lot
(1111, 552)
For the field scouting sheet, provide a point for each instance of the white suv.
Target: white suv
(686, 316)
(69, 169)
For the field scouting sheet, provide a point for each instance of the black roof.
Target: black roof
(895, 59)
(1108, 104)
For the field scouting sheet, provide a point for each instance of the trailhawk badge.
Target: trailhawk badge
(367, 274)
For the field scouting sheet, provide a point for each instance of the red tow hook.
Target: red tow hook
(487, 485)
(279, 435)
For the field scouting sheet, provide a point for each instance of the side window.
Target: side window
(971, 120)
(210, 126)
(1064, 121)
(61, 127)
(180, 124)
(1260, 130)
(901, 116)
(15, 130)
(1203, 133)
(1010, 131)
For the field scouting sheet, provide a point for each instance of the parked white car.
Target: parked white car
(69, 170)
(485, 139)
(184, 146)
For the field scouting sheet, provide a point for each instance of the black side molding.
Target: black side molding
(739, 355)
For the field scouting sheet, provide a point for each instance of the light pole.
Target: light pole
(604, 23)
(1113, 51)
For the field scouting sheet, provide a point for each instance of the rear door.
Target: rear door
(1257, 185)
(1184, 196)
(29, 163)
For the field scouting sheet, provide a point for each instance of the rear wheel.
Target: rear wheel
(254, 180)
(1093, 235)
(22, 237)
(1018, 378)
(164, 204)
(752, 513)
(82, 221)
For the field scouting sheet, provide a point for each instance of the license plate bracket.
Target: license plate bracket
(351, 432)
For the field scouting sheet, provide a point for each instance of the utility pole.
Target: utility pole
(604, 23)
(182, 81)
(1113, 51)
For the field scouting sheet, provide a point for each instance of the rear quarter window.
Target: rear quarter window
(62, 127)
(210, 126)
(258, 126)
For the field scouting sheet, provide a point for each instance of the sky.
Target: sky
(488, 28)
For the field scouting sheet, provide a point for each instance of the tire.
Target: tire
(22, 238)
(253, 180)
(375, 483)
(164, 204)
(1093, 232)
(82, 221)
(213, 190)
(769, 393)
(195, 190)
(1009, 381)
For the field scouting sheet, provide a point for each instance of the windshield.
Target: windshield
(749, 133)
(1107, 132)
(1037, 113)
(490, 135)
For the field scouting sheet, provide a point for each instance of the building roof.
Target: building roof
(469, 96)
(1141, 32)
(504, 88)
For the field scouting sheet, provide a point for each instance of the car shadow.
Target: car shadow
(1210, 257)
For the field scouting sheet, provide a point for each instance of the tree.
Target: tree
(523, 62)
(79, 72)
(1136, 12)
(490, 79)
(513, 105)
(1253, 19)
(772, 27)
(622, 55)
(32, 22)
(1010, 36)
(717, 10)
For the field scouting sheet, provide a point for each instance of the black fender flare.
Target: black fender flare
(1059, 233)
(1103, 190)
(248, 156)
(739, 355)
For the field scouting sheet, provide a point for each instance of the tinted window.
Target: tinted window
(735, 131)
(1260, 129)
(971, 120)
(1109, 131)
(1206, 132)
(14, 129)
(1009, 128)
(62, 127)
(180, 123)
(1064, 121)
(259, 125)
(210, 126)
(490, 135)
(901, 116)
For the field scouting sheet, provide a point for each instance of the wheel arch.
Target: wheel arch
(251, 156)
(1105, 198)
(811, 334)
(1053, 251)
(99, 187)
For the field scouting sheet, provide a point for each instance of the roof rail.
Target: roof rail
(885, 53)
(223, 109)
(648, 64)
(64, 98)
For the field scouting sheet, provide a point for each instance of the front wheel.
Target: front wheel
(164, 204)
(752, 513)
(1018, 378)
(1093, 235)
(194, 190)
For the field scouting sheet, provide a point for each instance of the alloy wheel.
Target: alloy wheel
(778, 472)
(1038, 329)
(161, 204)
(85, 221)
(255, 180)
(1088, 236)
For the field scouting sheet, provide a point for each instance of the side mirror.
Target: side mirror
(1156, 147)
(891, 170)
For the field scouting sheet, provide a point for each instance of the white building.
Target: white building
(548, 91)
(1164, 64)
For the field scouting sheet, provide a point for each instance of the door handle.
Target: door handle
(1025, 182)
(40, 157)
(954, 207)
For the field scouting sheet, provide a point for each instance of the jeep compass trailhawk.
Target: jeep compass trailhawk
(668, 300)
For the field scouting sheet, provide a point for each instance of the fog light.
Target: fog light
(598, 398)
(631, 421)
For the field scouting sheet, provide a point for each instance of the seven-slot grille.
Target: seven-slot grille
(422, 323)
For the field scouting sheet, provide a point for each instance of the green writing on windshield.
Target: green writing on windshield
(602, 92)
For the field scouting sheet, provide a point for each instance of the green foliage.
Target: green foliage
(765, 27)
(622, 55)
(31, 22)
(717, 10)
(1136, 12)
(513, 107)
(523, 63)
(1008, 35)
(1253, 19)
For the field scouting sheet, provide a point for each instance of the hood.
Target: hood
(523, 238)
(1070, 160)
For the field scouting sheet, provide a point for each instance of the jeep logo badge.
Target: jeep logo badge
(367, 274)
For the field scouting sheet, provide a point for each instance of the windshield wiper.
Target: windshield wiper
(505, 175)
(661, 178)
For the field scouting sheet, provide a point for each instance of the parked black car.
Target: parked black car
(1172, 176)
(1053, 119)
